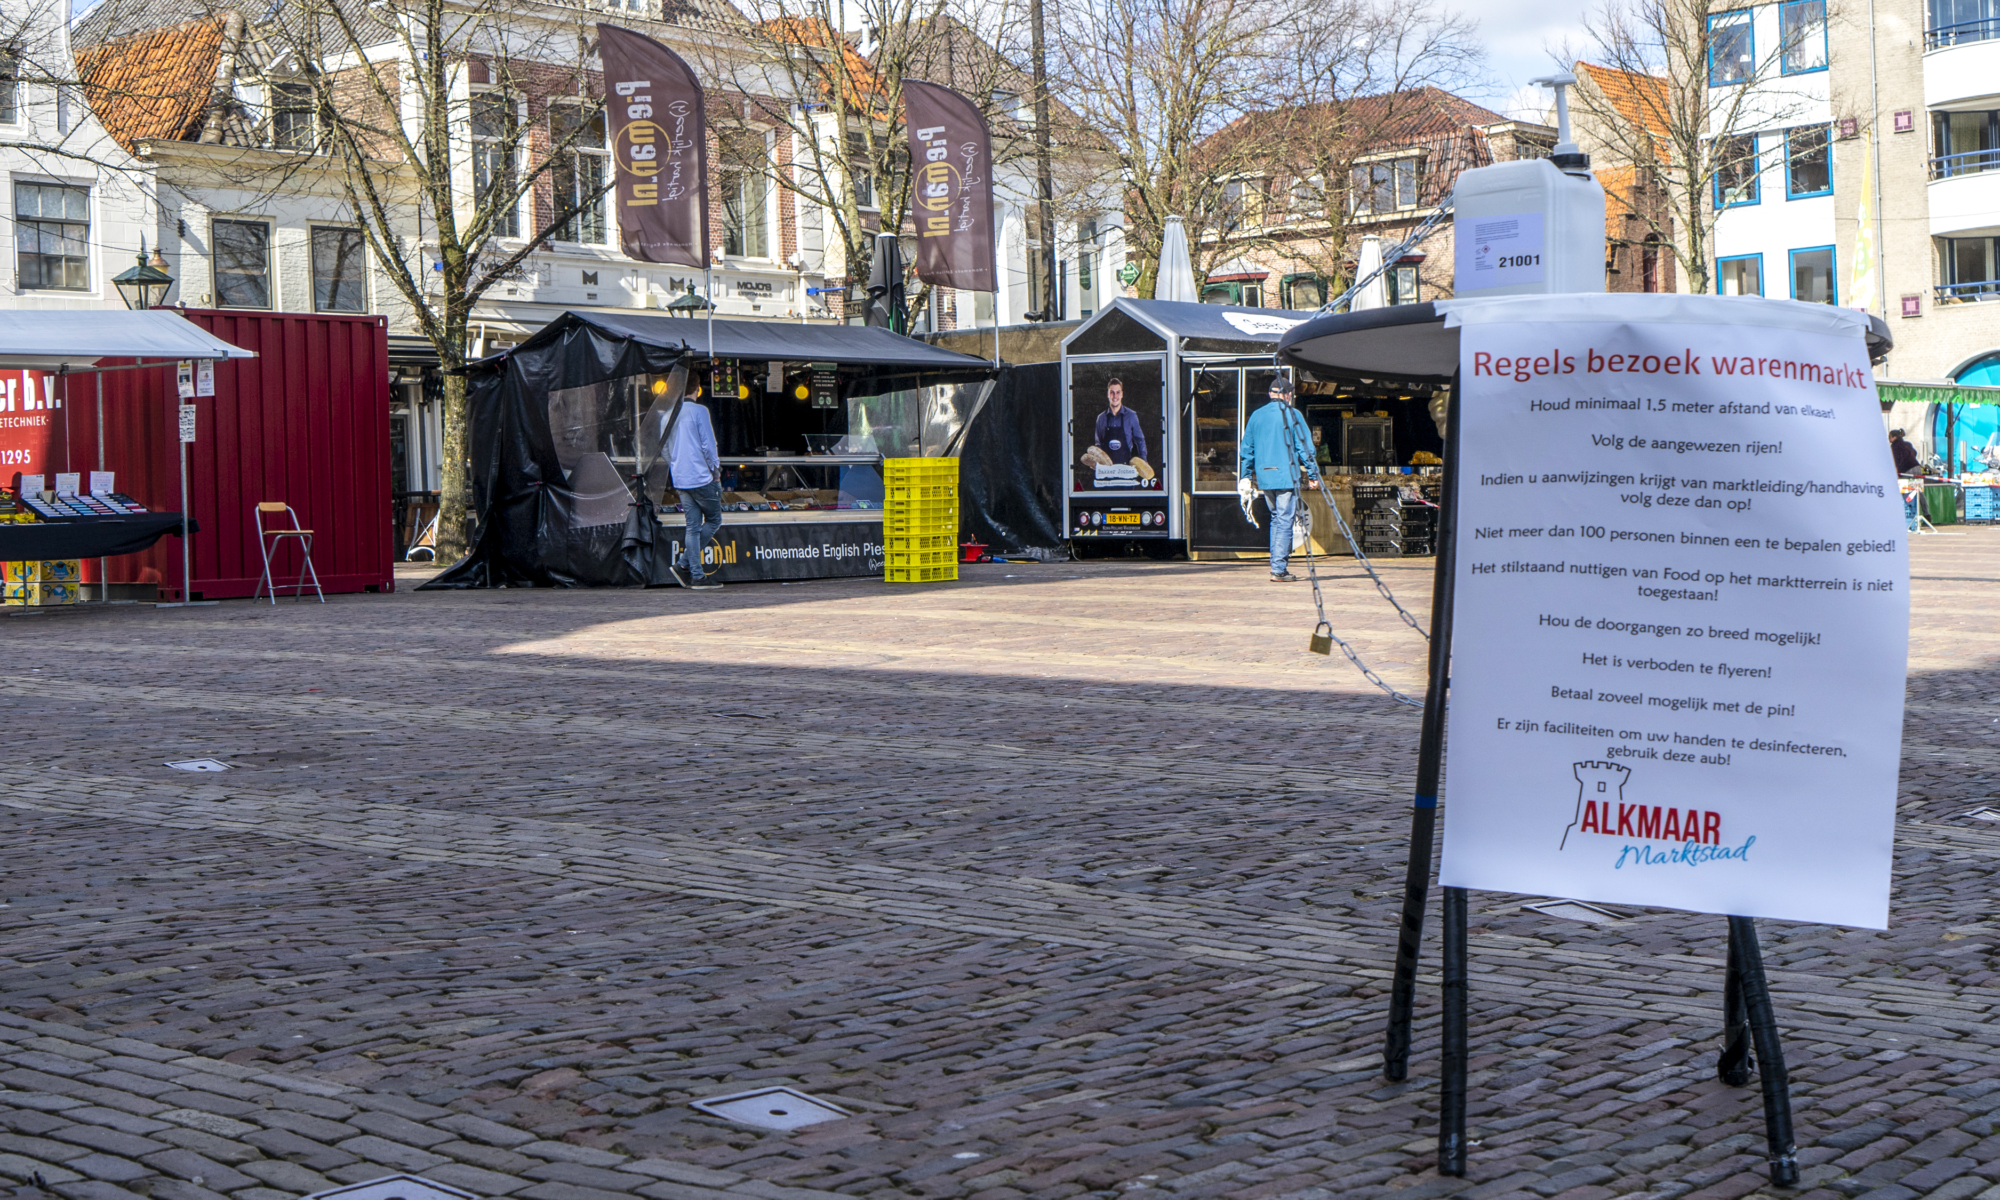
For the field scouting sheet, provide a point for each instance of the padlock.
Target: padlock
(1322, 639)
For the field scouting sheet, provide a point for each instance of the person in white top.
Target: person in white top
(696, 471)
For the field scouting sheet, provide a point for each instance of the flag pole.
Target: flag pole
(708, 286)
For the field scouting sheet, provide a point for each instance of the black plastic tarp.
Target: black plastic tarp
(1009, 464)
(87, 537)
(550, 505)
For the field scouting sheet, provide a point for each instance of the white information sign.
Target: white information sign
(1503, 250)
(67, 482)
(187, 422)
(184, 379)
(103, 483)
(204, 378)
(1682, 617)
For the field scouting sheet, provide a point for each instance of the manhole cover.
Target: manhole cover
(394, 1187)
(199, 764)
(772, 1108)
(1572, 910)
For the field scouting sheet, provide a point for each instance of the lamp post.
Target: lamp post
(145, 285)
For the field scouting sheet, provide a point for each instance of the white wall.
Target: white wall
(45, 145)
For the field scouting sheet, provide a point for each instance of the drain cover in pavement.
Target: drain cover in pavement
(1572, 910)
(772, 1108)
(394, 1187)
(199, 764)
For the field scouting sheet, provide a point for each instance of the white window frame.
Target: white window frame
(600, 152)
(512, 227)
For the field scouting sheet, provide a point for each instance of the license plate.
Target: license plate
(1121, 519)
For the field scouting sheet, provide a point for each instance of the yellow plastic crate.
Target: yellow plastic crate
(919, 470)
(905, 543)
(904, 525)
(922, 558)
(897, 493)
(944, 574)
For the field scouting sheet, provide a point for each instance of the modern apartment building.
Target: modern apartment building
(1769, 76)
(1872, 122)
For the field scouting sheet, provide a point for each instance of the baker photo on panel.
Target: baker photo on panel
(1115, 425)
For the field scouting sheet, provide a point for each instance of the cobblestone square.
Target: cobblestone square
(1065, 880)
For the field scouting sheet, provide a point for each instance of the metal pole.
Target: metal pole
(1430, 762)
(1770, 1054)
(187, 557)
(996, 319)
(1734, 1064)
(1451, 1082)
(708, 288)
(103, 564)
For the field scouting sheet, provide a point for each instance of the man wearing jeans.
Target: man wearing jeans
(697, 475)
(1277, 452)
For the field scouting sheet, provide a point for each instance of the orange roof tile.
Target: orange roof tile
(155, 84)
(1641, 99)
(864, 87)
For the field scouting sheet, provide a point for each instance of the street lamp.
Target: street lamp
(689, 304)
(145, 285)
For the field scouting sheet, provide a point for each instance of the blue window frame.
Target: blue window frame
(1740, 275)
(1737, 170)
(1812, 275)
(1808, 162)
(1732, 48)
(1802, 36)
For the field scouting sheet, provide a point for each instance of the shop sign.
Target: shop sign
(32, 427)
(825, 385)
(1681, 618)
(786, 550)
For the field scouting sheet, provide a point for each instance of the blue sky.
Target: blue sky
(1519, 35)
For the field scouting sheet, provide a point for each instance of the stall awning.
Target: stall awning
(56, 339)
(1943, 392)
(1198, 328)
(883, 352)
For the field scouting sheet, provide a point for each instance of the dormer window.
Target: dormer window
(292, 125)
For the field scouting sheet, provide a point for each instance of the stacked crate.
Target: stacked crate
(1982, 504)
(1389, 523)
(920, 520)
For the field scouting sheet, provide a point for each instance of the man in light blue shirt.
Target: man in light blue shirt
(696, 470)
(1277, 456)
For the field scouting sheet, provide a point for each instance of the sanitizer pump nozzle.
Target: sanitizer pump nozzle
(1566, 157)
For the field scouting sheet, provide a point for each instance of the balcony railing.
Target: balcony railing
(1987, 290)
(1971, 162)
(1983, 29)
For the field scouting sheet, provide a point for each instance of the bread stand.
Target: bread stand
(1411, 344)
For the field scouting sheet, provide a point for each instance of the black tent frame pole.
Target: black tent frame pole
(1754, 996)
(1430, 762)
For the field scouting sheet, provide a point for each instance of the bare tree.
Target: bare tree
(832, 98)
(1690, 111)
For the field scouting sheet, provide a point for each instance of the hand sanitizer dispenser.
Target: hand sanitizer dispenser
(1530, 227)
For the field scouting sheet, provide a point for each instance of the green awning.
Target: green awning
(1935, 393)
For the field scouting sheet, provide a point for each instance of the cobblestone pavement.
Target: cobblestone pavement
(1064, 880)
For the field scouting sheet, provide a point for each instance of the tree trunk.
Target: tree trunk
(455, 517)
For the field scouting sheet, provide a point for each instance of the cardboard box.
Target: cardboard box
(40, 594)
(61, 570)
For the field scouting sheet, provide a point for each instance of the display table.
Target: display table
(87, 537)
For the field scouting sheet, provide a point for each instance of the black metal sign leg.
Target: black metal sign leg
(1735, 1063)
(1451, 1085)
(1770, 1055)
(1430, 768)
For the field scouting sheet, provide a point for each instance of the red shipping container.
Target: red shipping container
(305, 422)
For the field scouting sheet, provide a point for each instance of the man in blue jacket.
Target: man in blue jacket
(1277, 453)
(1117, 432)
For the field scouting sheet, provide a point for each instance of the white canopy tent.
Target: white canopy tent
(74, 342)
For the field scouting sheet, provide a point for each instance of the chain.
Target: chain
(1393, 253)
(1319, 598)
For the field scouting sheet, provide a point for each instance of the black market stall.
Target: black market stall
(568, 483)
(61, 499)
(1417, 346)
(1190, 376)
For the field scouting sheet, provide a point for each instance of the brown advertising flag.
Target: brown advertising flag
(659, 148)
(951, 160)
